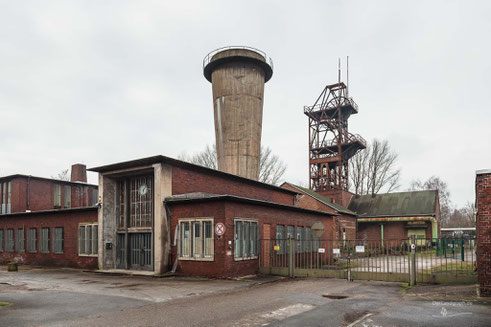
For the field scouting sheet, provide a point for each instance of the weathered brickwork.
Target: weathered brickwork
(68, 219)
(483, 228)
(187, 181)
(224, 265)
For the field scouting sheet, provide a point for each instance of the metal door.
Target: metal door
(140, 251)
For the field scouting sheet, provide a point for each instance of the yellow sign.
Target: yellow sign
(276, 247)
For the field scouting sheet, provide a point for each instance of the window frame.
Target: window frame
(21, 241)
(67, 196)
(90, 239)
(32, 246)
(56, 240)
(57, 196)
(192, 236)
(44, 240)
(10, 241)
(249, 242)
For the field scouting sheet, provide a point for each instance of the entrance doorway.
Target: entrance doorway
(136, 219)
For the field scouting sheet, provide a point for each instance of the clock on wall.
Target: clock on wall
(143, 189)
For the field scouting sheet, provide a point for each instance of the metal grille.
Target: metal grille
(141, 203)
(121, 248)
(430, 260)
(140, 250)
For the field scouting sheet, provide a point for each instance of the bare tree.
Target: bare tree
(469, 213)
(271, 167)
(62, 176)
(374, 169)
(436, 183)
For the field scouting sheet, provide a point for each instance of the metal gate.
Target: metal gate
(407, 260)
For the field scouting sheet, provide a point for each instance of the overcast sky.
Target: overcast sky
(100, 82)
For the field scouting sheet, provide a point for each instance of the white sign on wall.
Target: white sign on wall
(360, 248)
(335, 251)
(322, 250)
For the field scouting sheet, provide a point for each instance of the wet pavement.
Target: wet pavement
(74, 298)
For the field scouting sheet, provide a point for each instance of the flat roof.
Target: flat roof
(44, 212)
(207, 197)
(483, 171)
(179, 163)
(45, 178)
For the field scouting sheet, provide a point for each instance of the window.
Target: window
(246, 233)
(57, 196)
(67, 200)
(6, 198)
(44, 238)
(290, 231)
(94, 197)
(32, 240)
(1, 240)
(196, 240)
(280, 238)
(300, 239)
(58, 242)
(87, 239)
(9, 240)
(21, 240)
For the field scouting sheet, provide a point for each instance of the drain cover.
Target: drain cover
(335, 296)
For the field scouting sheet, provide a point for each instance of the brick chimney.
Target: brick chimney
(79, 173)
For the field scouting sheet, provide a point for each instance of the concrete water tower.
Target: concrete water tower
(237, 75)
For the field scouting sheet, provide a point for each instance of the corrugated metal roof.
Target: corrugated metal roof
(395, 204)
(323, 199)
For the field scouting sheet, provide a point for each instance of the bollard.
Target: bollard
(12, 266)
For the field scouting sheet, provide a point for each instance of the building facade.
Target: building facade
(160, 214)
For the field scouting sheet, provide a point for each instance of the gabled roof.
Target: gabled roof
(395, 204)
(179, 163)
(322, 199)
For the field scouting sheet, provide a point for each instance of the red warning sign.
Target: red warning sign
(220, 229)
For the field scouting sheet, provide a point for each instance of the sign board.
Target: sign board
(360, 248)
(317, 229)
(322, 250)
(336, 251)
(220, 229)
(276, 247)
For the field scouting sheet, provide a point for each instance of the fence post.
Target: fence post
(412, 262)
(291, 257)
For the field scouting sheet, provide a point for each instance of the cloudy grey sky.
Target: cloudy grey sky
(105, 81)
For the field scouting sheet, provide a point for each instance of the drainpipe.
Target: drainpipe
(28, 193)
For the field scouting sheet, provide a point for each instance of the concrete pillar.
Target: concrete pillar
(107, 222)
(238, 76)
(162, 234)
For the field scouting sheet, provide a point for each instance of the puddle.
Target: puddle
(335, 296)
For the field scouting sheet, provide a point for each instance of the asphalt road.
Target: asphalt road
(131, 301)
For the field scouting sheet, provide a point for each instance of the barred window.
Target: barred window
(1, 240)
(246, 239)
(87, 239)
(59, 241)
(44, 238)
(21, 240)
(280, 238)
(32, 240)
(9, 240)
(196, 241)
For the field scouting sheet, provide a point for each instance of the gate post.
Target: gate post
(412, 261)
(291, 257)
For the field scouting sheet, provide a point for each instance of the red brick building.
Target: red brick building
(160, 214)
(483, 229)
(47, 221)
(397, 215)
(344, 223)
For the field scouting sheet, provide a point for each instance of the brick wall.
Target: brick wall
(395, 230)
(483, 228)
(187, 181)
(41, 194)
(224, 265)
(68, 219)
